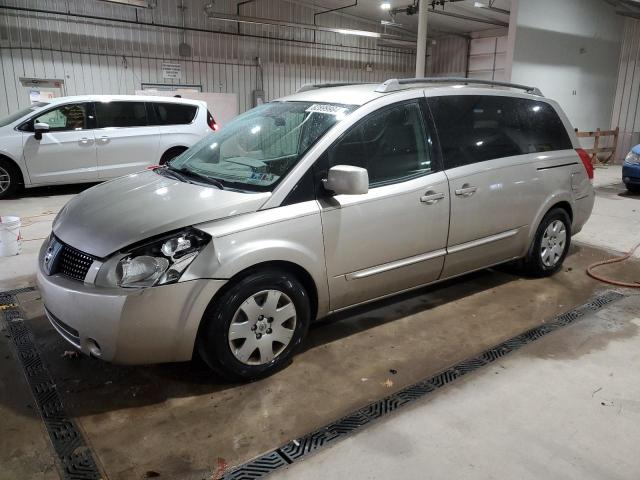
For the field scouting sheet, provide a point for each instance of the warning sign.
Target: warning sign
(171, 71)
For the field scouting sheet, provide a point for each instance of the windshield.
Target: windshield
(18, 115)
(257, 149)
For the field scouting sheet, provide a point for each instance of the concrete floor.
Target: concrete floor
(179, 421)
(564, 407)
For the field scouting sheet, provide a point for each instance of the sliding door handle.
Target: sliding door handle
(431, 197)
(466, 190)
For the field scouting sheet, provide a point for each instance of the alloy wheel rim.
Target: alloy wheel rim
(554, 241)
(5, 180)
(262, 327)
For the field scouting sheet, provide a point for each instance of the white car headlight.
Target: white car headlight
(632, 157)
(161, 261)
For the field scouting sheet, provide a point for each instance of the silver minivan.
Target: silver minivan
(329, 198)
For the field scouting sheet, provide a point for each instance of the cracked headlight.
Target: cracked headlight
(161, 261)
(633, 158)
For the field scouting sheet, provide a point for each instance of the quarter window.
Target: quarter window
(476, 128)
(66, 118)
(174, 113)
(390, 144)
(121, 114)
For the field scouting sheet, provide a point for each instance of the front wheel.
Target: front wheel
(550, 244)
(255, 326)
(10, 180)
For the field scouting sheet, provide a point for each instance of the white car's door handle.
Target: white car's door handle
(431, 197)
(104, 139)
(466, 190)
(85, 140)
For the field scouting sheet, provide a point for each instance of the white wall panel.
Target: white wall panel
(626, 110)
(487, 57)
(94, 55)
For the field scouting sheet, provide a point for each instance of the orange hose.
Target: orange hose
(627, 255)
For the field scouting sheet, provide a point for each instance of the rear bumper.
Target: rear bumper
(128, 326)
(582, 211)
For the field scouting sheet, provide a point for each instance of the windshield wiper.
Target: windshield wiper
(204, 178)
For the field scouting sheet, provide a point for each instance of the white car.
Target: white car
(95, 137)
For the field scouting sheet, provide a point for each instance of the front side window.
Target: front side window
(121, 114)
(70, 117)
(477, 128)
(174, 113)
(258, 148)
(390, 144)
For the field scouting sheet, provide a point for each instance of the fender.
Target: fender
(4, 152)
(248, 240)
(556, 197)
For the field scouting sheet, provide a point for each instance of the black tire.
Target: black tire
(10, 169)
(213, 339)
(533, 264)
(633, 188)
(171, 154)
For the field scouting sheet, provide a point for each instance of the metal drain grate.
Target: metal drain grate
(292, 451)
(76, 460)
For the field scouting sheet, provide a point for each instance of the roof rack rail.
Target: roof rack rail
(394, 84)
(312, 86)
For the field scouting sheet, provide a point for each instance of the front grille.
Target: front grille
(73, 263)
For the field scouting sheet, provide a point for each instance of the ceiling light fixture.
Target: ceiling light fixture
(361, 33)
(385, 6)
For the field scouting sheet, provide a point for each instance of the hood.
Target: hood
(115, 214)
(636, 149)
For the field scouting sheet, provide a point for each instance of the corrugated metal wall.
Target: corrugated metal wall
(100, 56)
(626, 109)
(448, 57)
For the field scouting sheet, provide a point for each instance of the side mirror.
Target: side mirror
(347, 180)
(39, 129)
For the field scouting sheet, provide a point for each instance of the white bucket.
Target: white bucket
(10, 239)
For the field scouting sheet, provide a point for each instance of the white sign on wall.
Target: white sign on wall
(171, 71)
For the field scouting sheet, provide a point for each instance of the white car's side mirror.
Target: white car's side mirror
(347, 180)
(39, 129)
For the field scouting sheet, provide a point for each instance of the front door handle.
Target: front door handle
(466, 190)
(85, 140)
(104, 139)
(431, 197)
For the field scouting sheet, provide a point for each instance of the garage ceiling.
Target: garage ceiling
(438, 24)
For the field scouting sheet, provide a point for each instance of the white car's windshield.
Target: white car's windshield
(258, 148)
(18, 115)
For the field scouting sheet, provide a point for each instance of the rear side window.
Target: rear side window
(390, 144)
(121, 114)
(174, 113)
(476, 128)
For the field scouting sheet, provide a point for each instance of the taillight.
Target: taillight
(212, 123)
(586, 161)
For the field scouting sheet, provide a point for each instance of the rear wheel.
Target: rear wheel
(550, 244)
(10, 178)
(254, 328)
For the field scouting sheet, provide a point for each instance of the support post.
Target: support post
(421, 51)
